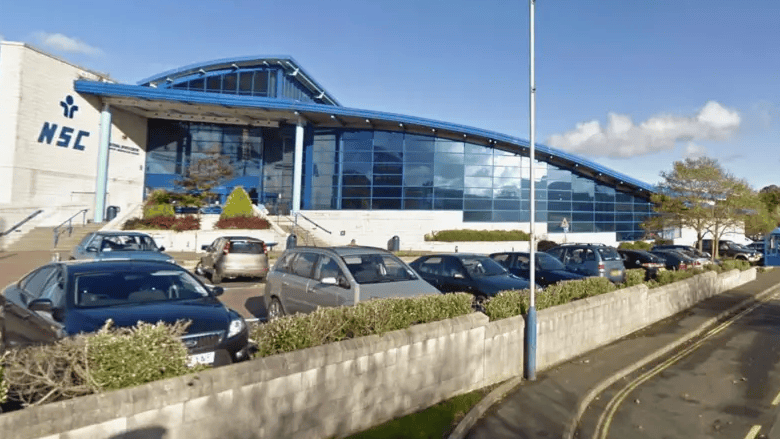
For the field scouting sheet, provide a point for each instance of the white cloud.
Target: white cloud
(621, 138)
(66, 44)
(693, 150)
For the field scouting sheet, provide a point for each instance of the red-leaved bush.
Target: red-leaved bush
(242, 223)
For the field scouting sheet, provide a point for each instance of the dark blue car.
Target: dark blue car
(470, 273)
(69, 297)
(548, 269)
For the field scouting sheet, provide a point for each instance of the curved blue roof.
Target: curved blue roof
(352, 117)
(284, 61)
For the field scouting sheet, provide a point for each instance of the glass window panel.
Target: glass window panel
(479, 159)
(357, 168)
(478, 171)
(388, 168)
(418, 157)
(355, 191)
(582, 227)
(444, 145)
(478, 149)
(507, 172)
(388, 156)
(622, 197)
(214, 83)
(197, 85)
(582, 217)
(230, 83)
(604, 193)
(476, 204)
(582, 207)
(540, 205)
(388, 180)
(506, 216)
(478, 193)
(420, 144)
(506, 193)
(245, 83)
(357, 140)
(557, 217)
(604, 217)
(418, 204)
(506, 204)
(364, 157)
(388, 141)
(418, 192)
(181, 85)
(260, 84)
(447, 204)
(558, 195)
(541, 216)
(418, 175)
(477, 216)
(449, 159)
(559, 206)
(355, 203)
(624, 207)
(478, 182)
(448, 175)
(348, 179)
(604, 207)
(440, 192)
(509, 160)
(387, 192)
(624, 216)
(604, 227)
(624, 227)
(325, 156)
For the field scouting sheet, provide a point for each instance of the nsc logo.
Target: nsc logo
(66, 134)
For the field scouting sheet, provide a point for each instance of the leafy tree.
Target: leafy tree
(206, 172)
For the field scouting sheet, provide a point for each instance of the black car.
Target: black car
(69, 297)
(548, 269)
(652, 264)
(470, 273)
(674, 260)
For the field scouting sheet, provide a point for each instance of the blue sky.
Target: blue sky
(633, 85)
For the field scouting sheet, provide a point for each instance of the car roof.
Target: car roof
(82, 265)
(238, 238)
(120, 233)
(346, 250)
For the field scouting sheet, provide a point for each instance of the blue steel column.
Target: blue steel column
(297, 167)
(101, 181)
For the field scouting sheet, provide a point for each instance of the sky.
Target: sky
(632, 85)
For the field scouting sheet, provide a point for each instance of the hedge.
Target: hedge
(478, 235)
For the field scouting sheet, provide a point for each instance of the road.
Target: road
(243, 295)
(724, 384)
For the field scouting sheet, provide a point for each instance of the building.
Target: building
(72, 139)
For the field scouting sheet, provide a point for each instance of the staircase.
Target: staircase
(303, 230)
(42, 238)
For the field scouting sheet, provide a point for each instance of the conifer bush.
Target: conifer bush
(238, 204)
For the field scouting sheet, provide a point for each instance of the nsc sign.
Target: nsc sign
(65, 135)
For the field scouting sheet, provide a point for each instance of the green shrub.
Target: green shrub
(159, 210)
(327, 325)
(242, 223)
(237, 204)
(478, 235)
(636, 245)
(3, 381)
(545, 245)
(634, 276)
(731, 264)
(508, 304)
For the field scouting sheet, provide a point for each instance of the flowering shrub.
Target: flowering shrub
(242, 223)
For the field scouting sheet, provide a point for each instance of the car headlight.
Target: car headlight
(236, 326)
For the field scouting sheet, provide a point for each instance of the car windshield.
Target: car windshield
(376, 268)
(478, 266)
(127, 243)
(548, 262)
(100, 289)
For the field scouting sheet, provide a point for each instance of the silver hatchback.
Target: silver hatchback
(305, 278)
(234, 256)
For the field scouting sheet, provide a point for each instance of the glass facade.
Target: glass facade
(347, 169)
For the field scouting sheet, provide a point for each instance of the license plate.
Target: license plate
(614, 273)
(204, 358)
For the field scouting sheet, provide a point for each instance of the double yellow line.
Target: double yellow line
(605, 420)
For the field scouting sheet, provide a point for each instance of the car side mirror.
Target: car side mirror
(204, 247)
(329, 281)
(92, 249)
(217, 291)
(44, 305)
(458, 276)
(162, 249)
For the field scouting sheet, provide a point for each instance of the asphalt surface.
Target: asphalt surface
(243, 295)
(547, 407)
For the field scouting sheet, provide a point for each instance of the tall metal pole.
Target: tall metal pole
(530, 321)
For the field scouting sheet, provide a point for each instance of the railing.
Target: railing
(69, 221)
(20, 223)
(297, 214)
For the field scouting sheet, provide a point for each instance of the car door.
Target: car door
(296, 282)
(210, 258)
(454, 277)
(22, 325)
(328, 294)
(430, 269)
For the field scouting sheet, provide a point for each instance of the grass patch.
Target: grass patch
(437, 421)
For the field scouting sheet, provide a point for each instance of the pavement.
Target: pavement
(550, 406)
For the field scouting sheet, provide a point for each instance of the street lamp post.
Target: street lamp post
(530, 321)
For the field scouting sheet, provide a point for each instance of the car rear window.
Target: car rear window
(247, 247)
(609, 254)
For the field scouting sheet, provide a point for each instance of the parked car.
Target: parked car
(186, 210)
(211, 210)
(69, 297)
(597, 260)
(548, 270)
(652, 264)
(730, 249)
(757, 246)
(470, 273)
(305, 278)
(119, 245)
(701, 258)
(233, 256)
(673, 259)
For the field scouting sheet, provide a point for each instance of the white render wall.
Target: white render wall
(44, 175)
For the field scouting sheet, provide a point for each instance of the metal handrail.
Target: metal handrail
(20, 223)
(70, 225)
(307, 219)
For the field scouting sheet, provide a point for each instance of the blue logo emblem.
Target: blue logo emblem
(68, 108)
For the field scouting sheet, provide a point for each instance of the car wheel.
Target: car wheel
(216, 278)
(275, 309)
(479, 302)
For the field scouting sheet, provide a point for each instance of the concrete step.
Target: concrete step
(42, 238)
